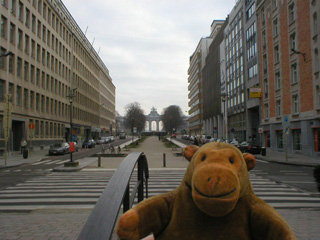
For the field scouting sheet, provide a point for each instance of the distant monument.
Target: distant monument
(153, 116)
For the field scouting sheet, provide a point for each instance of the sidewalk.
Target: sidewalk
(280, 157)
(16, 158)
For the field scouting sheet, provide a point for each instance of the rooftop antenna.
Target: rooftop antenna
(93, 42)
(85, 33)
(99, 50)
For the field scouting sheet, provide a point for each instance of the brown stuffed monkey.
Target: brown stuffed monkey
(214, 201)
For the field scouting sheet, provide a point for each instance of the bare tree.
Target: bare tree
(134, 117)
(172, 118)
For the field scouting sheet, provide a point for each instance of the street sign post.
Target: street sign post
(286, 128)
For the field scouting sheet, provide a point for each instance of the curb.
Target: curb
(82, 164)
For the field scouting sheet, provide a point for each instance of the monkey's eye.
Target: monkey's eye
(203, 158)
(231, 160)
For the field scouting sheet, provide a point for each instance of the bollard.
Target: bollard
(164, 160)
(99, 161)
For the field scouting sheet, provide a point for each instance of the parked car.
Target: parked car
(111, 138)
(250, 148)
(122, 135)
(59, 148)
(89, 144)
(234, 142)
(101, 140)
(173, 135)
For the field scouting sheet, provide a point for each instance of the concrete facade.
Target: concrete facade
(51, 63)
(196, 64)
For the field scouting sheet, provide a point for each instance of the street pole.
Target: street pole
(71, 160)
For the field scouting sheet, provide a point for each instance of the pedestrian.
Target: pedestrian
(24, 144)
(196, 142)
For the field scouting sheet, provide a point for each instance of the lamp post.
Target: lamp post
(225, 100)
(71, 96)
(132, 119)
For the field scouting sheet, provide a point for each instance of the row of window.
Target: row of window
(48, 82)
(32, 100)
(42, 129)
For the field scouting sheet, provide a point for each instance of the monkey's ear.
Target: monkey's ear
(189, 151)
(250, 160)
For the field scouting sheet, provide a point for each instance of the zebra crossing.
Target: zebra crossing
(82, 189)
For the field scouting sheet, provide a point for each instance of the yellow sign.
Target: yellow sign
(255, 93)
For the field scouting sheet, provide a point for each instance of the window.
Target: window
(2, 90)
(276, 54)
(266, 111)
(293, 41)
(263, 17)
(296, 137)
(39, 29)
(33, 23)
(291, 13)
(265, 64)
(266, 88)
(42, 103)
(18, 96)
(315, 24)
(27, 20)
(278, 80)
(33, 46)
(41, 129)
(37, 101)
(25, 98)
(12, 33)
(20, 11)
(294, 73)
(13, 7)
(26, 43)
(318, 96)
(36, 128)
(317, 60)
(275, 3)
(251, 11)
(19, 40)
(32, 73)
(278, 108)
(11, 64)
(31, 99)
(19, 67)
(11, 91)
(26, 71)
(4, 25)
(279, 139)
(275, 27)
(295, 104)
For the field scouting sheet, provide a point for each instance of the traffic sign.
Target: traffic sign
(31, 126)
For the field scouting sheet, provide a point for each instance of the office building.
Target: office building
(52, 64)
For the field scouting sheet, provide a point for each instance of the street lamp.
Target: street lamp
(225, 98)
(132, 119)
(6, 54)
(71, 96)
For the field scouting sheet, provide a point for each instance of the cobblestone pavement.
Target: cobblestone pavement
(62, 225)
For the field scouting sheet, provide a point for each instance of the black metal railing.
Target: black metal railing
(102, 220)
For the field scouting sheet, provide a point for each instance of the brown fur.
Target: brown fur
(214, 201)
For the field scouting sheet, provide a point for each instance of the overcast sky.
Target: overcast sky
(146, 44)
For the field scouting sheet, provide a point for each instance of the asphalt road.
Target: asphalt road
(297, 176)
(15, 175)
